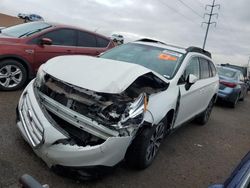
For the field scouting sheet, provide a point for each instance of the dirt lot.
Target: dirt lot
(191, 157)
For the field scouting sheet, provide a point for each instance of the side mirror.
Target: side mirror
(46, 41)
(191, 79)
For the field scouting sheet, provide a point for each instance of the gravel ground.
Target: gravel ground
(192, 157)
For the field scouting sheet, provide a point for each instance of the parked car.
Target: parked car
(25, 47)
(240, 177)
(30, 17)
(243, 69)
(118, 39)
(232, 85)
(83, 113)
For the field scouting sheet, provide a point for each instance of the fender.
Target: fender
(27, 65)
(160, 104)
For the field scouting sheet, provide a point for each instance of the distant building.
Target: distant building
(7, 20)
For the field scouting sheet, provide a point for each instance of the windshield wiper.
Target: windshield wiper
(32, 32)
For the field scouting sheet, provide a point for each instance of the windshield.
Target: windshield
(26, 29)
(160, 60)
(226, 72)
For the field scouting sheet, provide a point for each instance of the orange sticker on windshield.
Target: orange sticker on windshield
(167, 57)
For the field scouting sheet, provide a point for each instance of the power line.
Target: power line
(176, 11)
(209, 20)
(190, 8)
(201, 4)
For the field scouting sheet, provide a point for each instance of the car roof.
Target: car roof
(160, 44)
(59, 25)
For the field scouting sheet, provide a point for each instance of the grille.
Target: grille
(33, 128)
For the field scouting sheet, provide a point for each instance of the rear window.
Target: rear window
(86, 39)
(226, 72)
(101, 42)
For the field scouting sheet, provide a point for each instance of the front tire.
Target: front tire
(145, 146)
(13, 75)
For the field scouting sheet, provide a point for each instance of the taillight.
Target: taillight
(228, 84)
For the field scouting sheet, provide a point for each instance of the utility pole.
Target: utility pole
(209, 20)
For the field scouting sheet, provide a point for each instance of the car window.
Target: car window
(213, 69)
(101, 42)
(204, 68)
(193, 67)
(86, 39)
(62, 37)
(241, 77)
(160, 60)
(227, 72)
(27, 29)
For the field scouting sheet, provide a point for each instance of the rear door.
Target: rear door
(63, 43)
(208, 80)
(91, 44)
(86, 44)
(243, 85)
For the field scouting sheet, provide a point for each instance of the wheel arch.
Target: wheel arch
(24, 62)
(214, 98)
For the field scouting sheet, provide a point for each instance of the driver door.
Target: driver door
(63, 43)
(190, 100)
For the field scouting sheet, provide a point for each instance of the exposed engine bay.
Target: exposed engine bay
(114, 111)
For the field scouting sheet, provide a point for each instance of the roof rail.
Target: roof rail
(150, 40)
(156, 41)
(199, 50)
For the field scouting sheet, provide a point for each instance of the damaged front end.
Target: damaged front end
(74, 127)
(89, 118)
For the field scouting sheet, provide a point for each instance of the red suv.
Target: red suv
(24, 47)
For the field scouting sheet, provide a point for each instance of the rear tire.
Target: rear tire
(204, 117)
(13, 75)
(234, 103)
(145, 146)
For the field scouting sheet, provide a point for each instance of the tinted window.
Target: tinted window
(227, 72)
(204, 68)
(86, 39)
(213, 69)
(101, 42)
(192, 68)
(62, 37)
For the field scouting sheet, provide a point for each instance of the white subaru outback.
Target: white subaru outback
(84, 112)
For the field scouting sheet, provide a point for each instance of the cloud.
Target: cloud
(166, 20)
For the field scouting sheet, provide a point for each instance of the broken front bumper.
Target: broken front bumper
(39, 131)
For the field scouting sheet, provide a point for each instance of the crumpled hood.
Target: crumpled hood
(96, 74)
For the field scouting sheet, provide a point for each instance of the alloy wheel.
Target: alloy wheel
(155, 142)
(10, 76)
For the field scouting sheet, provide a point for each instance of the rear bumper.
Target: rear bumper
(228, 94)
(109, 153)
